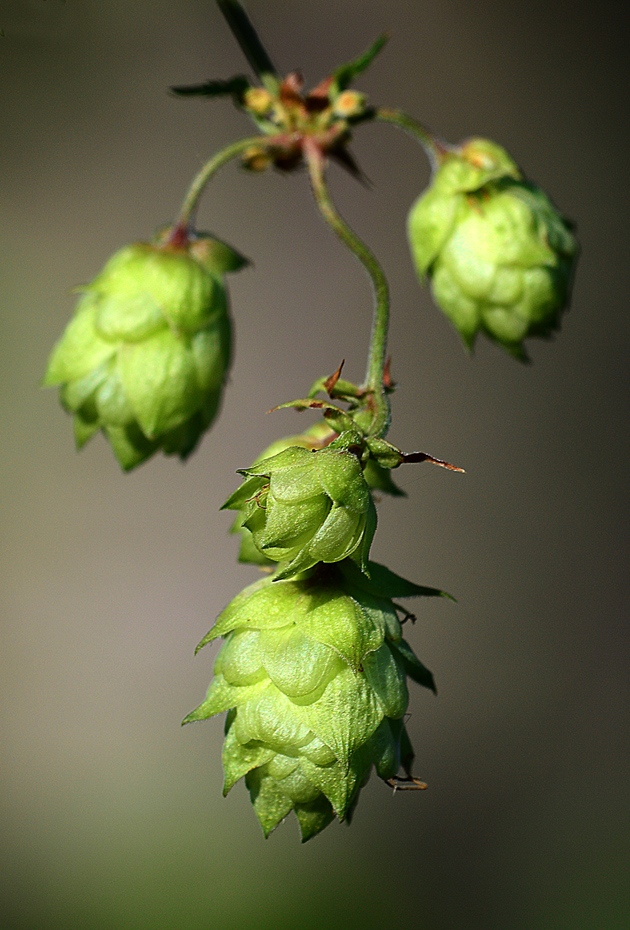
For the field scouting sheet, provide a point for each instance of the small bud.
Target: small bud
(146, 354)
(305, 507)
(384, 453)
(256, 158)
(258, 100)
(313, 674)
(349, 103)
(499, 256)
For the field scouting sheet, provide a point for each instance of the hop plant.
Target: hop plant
(317, 436)
(306, 506)
(313, 674)
(499, 256)
(313, 671)
(146, 354)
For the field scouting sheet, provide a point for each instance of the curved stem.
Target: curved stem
(435, 148)
(196, 189)
(378, 342)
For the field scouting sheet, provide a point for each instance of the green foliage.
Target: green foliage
(345, 75)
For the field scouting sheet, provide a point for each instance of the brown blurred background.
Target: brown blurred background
(113, 815)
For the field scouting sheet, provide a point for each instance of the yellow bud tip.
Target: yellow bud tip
(258, 100)
(349, 103)
(256, 158)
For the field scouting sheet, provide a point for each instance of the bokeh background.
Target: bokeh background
(112, 815)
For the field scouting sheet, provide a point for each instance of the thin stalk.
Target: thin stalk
(378, 342)
(249, 41)
(196, 189)
(435, 148)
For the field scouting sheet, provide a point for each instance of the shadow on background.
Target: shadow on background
(113, 815)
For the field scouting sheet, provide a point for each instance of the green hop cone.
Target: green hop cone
(499, 256)
(314, 676)
(146, 354)
(306, 506)
(317, 436)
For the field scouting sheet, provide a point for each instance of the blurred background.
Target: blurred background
(112, 815)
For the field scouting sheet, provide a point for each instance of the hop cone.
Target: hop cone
(499, 256)
(146, 354)
(313, 673)
(317, 436)
(303, 507)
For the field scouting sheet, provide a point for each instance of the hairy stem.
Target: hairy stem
(378, 343)
(196, 189)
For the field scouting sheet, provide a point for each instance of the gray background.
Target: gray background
(113, 815)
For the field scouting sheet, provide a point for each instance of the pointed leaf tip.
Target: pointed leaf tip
(345, 74)
(234, 87)
(410, 457)
(331, 381)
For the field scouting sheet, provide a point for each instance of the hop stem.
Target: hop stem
(434, 147)
(378, 342)
(196, 189)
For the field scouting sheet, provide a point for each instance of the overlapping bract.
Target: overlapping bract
(146, 354)
(306, 506)
(499, 256)
(313, 674)
(317, 436)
